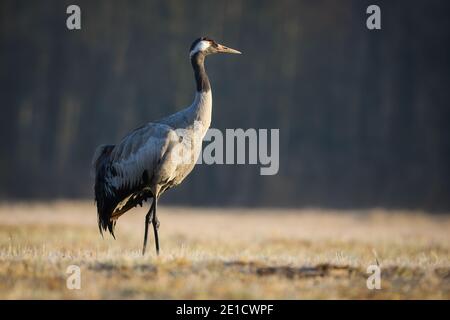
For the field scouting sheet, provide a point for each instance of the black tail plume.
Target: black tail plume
(104, 194)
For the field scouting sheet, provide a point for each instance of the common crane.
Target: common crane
(157, 156)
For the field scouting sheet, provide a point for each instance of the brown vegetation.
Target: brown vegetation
(215, 253)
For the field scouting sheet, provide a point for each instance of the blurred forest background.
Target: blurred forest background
(363, 115)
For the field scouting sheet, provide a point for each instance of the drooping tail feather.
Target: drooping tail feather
(104, 196)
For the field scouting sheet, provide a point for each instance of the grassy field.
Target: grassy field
(229, 253)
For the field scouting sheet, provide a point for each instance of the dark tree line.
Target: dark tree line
(363, 115)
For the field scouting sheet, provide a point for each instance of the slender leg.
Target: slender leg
(148, 217)
(155, 223)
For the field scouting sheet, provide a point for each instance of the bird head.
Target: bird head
(207, 46)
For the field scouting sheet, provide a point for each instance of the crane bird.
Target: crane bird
(152, 158)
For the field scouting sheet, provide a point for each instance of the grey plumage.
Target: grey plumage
(157, 156)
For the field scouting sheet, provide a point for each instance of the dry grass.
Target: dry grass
(214, 253)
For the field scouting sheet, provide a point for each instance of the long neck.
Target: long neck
(201, 78)
(202, 105)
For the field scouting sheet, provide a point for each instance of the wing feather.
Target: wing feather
(140, 151)
(124, 171)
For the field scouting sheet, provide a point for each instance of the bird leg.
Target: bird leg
(155, 223)
(148, 217)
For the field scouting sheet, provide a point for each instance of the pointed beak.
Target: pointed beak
(221, 48)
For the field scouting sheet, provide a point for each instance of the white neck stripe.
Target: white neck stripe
(201, 46)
